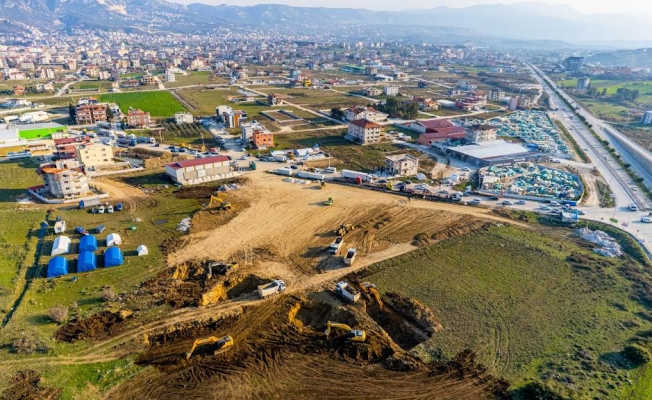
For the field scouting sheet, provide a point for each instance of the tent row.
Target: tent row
(61, 244)
(86, 262)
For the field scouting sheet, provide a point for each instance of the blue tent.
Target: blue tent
(57, 266)
(113, 257)
(86, 262)
(87, 243)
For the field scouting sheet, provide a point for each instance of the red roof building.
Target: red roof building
(199, 170)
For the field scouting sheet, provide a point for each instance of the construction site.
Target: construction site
(266, 295)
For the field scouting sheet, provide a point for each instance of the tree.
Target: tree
(58, 313)
(411, 110)
(72, 112)
(337, 113)
(109, 114)
(604, 92)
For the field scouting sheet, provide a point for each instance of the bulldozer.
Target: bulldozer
(329, 202)
(221, 344)
(369, 291)
(344, 229)
(354, 335)
(219, 203)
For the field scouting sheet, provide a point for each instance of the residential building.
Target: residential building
(437, 130)
(66, 148)
(513, 103)
(263, 139)
(274, 99)
(524, 102)
(401, 165)
(426, 104)
(183, 118)
(138, 118)
(371, 92)
(170, 76)
(647, 118)
(19, 90)
(64, 179)
(199, 170)
(364, 131)
(248, 130)
(583, 82)
(149, 79)
(496, 95)
(481, 133)
(229, 117)
(573, 64)
(87, 114)
(93, 155)
(390, 90)
(368, 113)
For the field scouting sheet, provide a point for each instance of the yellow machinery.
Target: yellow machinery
(370, 291)
(217, 201)
(344, 229)
(221, 344)
(329, 202)
(322, 184)
(390, 186)
(354, 335)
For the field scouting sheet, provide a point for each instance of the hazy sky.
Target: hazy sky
(584, 6)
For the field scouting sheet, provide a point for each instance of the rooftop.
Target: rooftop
(363, 123)
(435, 123)
(197, 161)
(495, 148)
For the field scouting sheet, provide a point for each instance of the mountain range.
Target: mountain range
(522, 21)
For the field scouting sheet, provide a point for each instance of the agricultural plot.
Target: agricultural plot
(193, 78)
(184, 134)
(540, 307)
(157, 103)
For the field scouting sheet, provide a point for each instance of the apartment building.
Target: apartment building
(64, 179)
(368, 113)
(481, 133)
(87, 114)
(170, 76)
(263, 139)
(149, 79)
(183, 118)
(390, 90)
(364, 131)
(371, 92)
(93, 155)
(401, 165)
(138, 118)
(229, 117)
(496, 95)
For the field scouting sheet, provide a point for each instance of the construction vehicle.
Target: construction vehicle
(275, 287)
(335, 246)
(329, 202)
(348, 292)
(252, 165)
(221, 344)
(350, 256)
(369, 290)
(354, 335)
(322, 184)
(219, 203)
(222, 268)
(344, 229)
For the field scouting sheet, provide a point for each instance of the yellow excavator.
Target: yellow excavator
(330, 201)
(221, 344)
(219, 202)
(322, 184)
(344, 229)
(369, 290)
(354, 335)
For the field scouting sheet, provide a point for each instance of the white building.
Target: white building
(65, 179)
(94, 155)
(496, 95)
(390, 90)
(183, 118)
(249, 128)
(199, 170)
(368, 113)
(170, 76)
(481, 133)
(647, 118)
(401, 165)
(366, 132)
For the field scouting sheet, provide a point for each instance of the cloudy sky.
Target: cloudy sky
(584, 6)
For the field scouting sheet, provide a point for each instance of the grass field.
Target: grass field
(193, 78)
(158, 103)
(526, 309)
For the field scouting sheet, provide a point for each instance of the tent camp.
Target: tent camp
(112, 257)
(86, 262)
(57, 266)
(87, 243)
(142, 250)
(113, 239)
(60, 246)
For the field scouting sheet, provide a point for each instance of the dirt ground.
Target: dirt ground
(25, 385)
(281, 351)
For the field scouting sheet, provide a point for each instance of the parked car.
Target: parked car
(507, 203)
(647, 220)
(521, 202)
(545, 208)
(580, 212)
(294, 166)
(554, 204)
(494, 198)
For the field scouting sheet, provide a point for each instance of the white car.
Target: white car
(521, 202)
(554, 204)
(647, 220)
(545, 208)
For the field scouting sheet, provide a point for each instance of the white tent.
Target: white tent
(113, 239)
(142, 250)
(61, 245)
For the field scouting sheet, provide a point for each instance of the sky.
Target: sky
(583, 6)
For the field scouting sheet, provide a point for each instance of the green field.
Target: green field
(527, 309)
(193, 78)
(158, 103)
(40, 133)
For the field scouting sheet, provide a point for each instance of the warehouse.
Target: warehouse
(495, 152)
(199, 170)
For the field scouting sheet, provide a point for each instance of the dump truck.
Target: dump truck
(275, 287)
(350, 256)
(335, 246)
(344, 229)
(354, 335)
(329, 202)
(347, 292)
(220, 344)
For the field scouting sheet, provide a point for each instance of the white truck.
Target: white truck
(348, 292)
(355, 174)
(335, 246)
(350, 256)
(275, 287)
(284, 171)
(280, 158)
(456, 196)
(311, 175)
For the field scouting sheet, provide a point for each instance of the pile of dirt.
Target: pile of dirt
(98, 326)
(414, 311)
(24, 385)
(207, 219)
(192, 284)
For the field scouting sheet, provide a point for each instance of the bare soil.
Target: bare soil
(98, 326)
(25, 385)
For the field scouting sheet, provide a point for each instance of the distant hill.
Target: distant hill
(523, 21)
(640, 58)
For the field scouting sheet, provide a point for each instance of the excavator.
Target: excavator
(344, 229)
(221, 344)
(369, 291)
(354, 335)
(322, 184)
(221, 204)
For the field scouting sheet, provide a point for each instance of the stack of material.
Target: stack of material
(608, 246)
